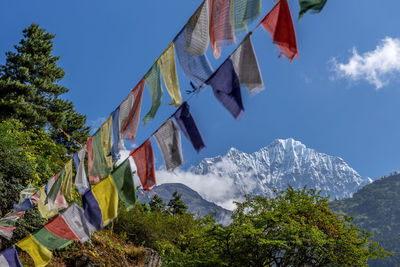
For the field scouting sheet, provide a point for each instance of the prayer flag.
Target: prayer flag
(244, 12)
(118, 142)
(27, 192)
(53, 187)
(104, 198)
(123, 180)
(74, 217)
(246, 66)
(314, 5)
(226, 88)
(169, 141)
(40, 255)
(66, 187)
(81, 182)
(9, 258)
(25, 205)
(58, 227)
(101, 149)
(188, 126)
(144, 160)
(196, 68)
(50, 241)
(131, 122)
(168, 70)
(221, 29)
(153, 81)
(7, 231)
(278, 22)
(44, 208)
(197, 31)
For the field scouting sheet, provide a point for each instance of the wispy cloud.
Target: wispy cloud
(95, 124)
(377, 66)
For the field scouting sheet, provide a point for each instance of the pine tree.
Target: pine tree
(157, 204)
(176, 204)
(30, 89)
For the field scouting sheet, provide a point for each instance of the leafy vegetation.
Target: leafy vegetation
(294, 229)
(376, 209)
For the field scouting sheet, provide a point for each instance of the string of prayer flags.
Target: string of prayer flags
(221, 29)
(197, 31)
(168, 70)
(66, 187)
(81, 182)
(246, 66)
(278, 22)
(244, 12)
(9, 258)
(50, 241)
(153, 81)
(226, 88)
(144, 160)
(74, 217)
(169, 141)
(99, 150)
(130, 125)
(40, 255)
(58, 227)
(101, 203)
(314, 5)
(196, 68)
(123, 181)
(188, 126)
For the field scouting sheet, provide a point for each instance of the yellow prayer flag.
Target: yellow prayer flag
(106, 143)
(66, 187)
(44, 208)
(106, 195)
(40, 255)
(168, 71)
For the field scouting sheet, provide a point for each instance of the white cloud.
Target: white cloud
(219, 190)
(213, 188)
(377, 67)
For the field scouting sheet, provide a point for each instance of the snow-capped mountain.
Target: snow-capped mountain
(282, 163)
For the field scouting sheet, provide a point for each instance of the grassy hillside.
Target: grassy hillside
(376, 208)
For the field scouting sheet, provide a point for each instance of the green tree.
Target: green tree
(294, 229)
(157, 204)
(25, 157)
(30, 89)
(176, 204)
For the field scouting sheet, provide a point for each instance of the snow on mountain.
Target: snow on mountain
(283, 163)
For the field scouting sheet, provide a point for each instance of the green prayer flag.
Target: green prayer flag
(102, 163)
(52, 194)
(50, 241)
(153, 81)
(314, 5)
(244, 12)
(123, 180)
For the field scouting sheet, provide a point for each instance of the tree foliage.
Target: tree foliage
(30, 89)
(176, 204)
(296, 228)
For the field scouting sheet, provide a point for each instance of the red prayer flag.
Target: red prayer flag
(60, 228)
(220, 28)
(132, 121)
(278, 22)
(144, 160)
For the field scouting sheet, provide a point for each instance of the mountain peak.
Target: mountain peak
(284, 162)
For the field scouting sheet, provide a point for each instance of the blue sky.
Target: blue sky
(335, 100)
